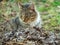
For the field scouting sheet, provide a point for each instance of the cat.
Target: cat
(30, 16)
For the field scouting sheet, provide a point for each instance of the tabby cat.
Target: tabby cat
(29, 15)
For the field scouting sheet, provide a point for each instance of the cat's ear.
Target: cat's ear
(20, 5)
(32, 6)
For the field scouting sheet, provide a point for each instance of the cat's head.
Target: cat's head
(28, 13)
(28, 6)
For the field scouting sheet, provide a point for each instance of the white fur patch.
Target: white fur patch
(38, 20)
